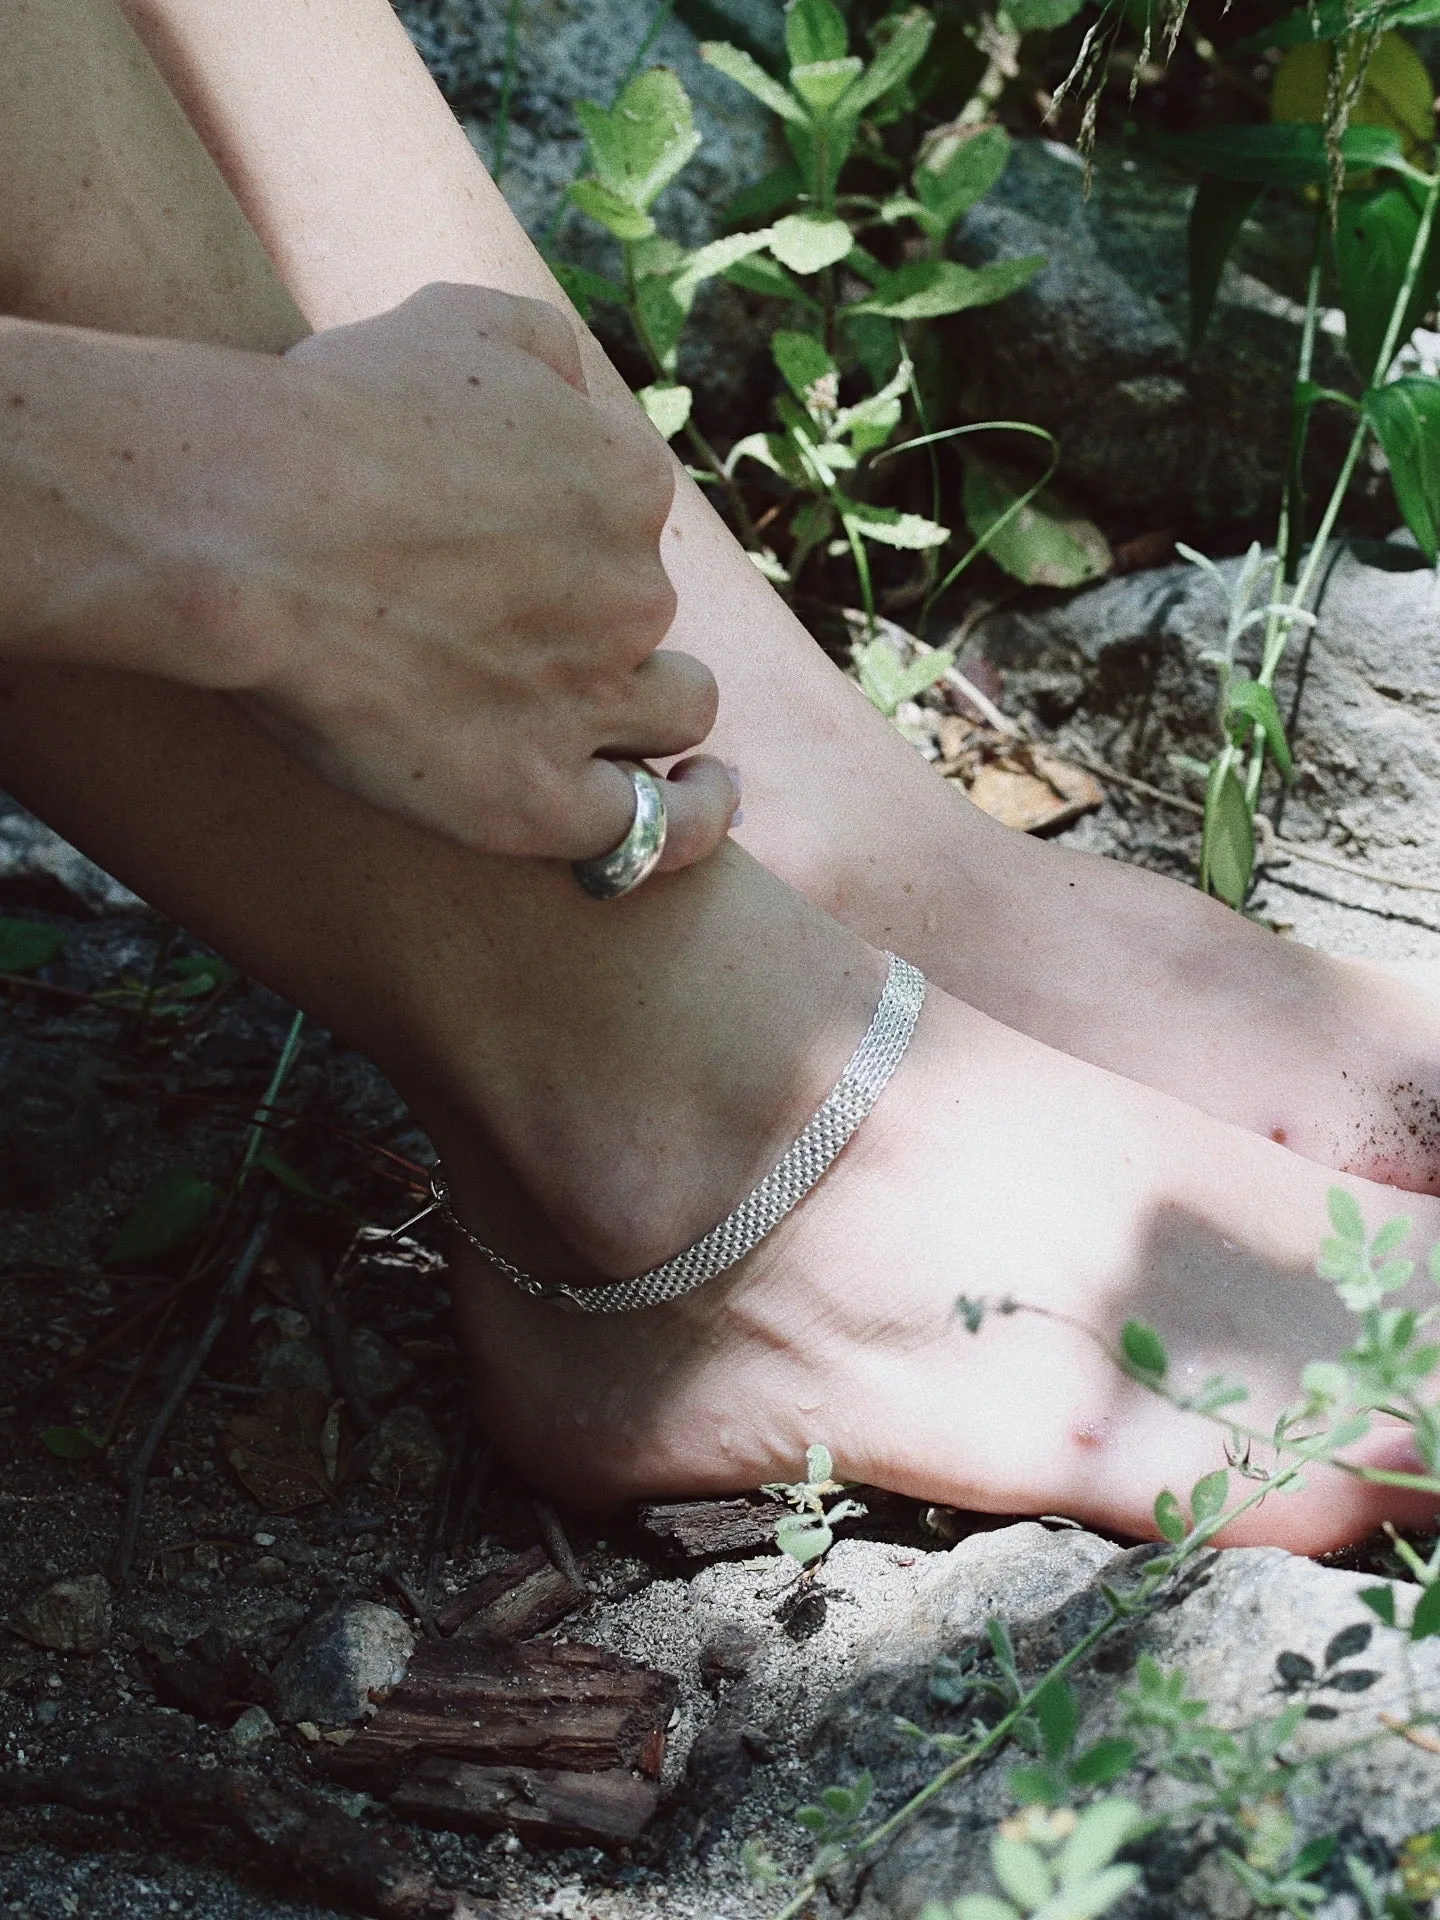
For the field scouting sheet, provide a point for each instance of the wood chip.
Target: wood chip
(573, 1708)
(523, 1598)
(705, 1529)
(544, 1808)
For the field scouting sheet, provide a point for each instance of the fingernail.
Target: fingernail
(734, 772)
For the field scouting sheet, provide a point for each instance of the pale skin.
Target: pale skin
(604, 1082)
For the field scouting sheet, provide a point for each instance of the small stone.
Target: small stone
(380, 1372)
(402, 1454)
(350, 1654)
(73, 1616)
(252, 1730)
(307, 1730)
(728, 1655)
(48, 1712)
(264, 1539)
(296, 1363)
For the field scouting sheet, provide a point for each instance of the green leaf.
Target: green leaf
(666, 408)
(815, 30)
(1425, 1621)
(803, 1538)
(972, 1906)
(926, 289)
(1227, 844)
(1021, 1872)
(1044, 544)
(1220, 209)
(806, 242)
(910, 531)
(1281, 154)
(1393, 1234)
(717, 258)
(196, 975)
(1058, 1717)
(1374, 237)
(1312, 1857)
(28, 944)
(881, 677)
(1406, 417)
(174, 1205)
(608, 210)
(748, 73)
(1144, 1349)
(641, 143)
(582, 287)
(802, 360)
(819, 1467)
(1345, 1215)
(1394, 92)
(1250, 705)
(894, 63)
(1101, 1831)
(71, 1443)
(822, 84)
(1334, 20)
(757, 274)
(662, 313)
(1096, 1896)
(1381, 1602)
(1169, 1520)
(1104, 1762)
(1040, 16)
(1207, 1496)
(955, 172)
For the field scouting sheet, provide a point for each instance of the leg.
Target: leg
(604, 1082)
(363, 188)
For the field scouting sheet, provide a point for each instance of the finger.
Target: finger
(602, 809)
(700, 802)
(669, 705)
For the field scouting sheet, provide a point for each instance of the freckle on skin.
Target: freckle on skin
(1088, 1436)
(473, 379)
(17, 399)
(1279, 1136)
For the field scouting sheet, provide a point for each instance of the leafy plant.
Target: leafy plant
(172, 1207)
(1353, 130)
(852, 311)
(808, 1532)
(28, 945)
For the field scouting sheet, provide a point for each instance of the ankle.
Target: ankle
(603, 1174)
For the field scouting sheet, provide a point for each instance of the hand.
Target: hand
(466, 616)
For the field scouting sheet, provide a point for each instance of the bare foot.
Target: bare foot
(991, 1166)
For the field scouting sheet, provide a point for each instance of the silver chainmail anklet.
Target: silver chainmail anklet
(784, 1187)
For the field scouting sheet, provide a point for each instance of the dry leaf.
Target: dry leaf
(1034, 791)
(278, 1452)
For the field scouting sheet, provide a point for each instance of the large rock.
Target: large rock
(1095, 348)
(1251, 1631)
(1121, 669)
(341, 1662)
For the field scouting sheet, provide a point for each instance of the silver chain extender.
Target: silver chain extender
(783, 1188)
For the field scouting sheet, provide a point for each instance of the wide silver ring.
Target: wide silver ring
(635, 859)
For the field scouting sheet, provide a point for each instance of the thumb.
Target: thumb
(701, 799)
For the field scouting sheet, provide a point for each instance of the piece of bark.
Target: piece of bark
(705, 1529)
(574, 1708)
(292, 1831)
(525, 1597)
(550, 1809)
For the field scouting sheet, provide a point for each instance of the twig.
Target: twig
(424, 1614)
(226, 1299)
(1296, 849)
(952, 677)
(47, 986)
(323, 1310)
(555, 1542)
(291, 1830)
(439, 1529)
(1417, 1736)
(482, 1477)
